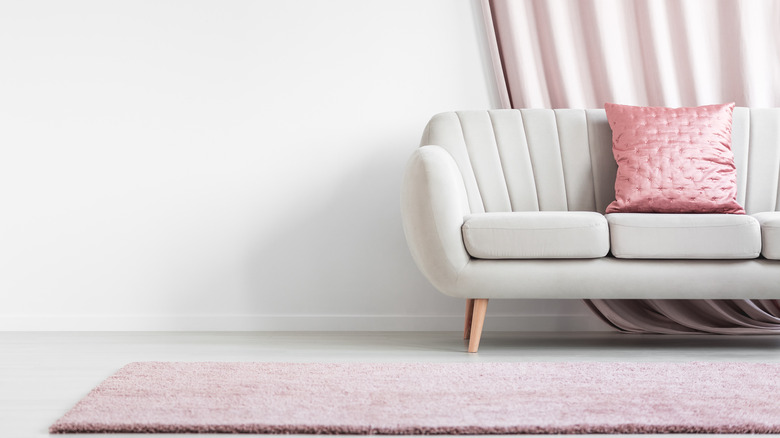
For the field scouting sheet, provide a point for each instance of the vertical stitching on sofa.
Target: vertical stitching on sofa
(777, 183)
(471, 163)
(592, 161)
(777, 198)
(747, 156)
(500, 160)
(560, 154)
(531, 159)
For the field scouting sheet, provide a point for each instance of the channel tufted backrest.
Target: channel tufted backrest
(559, 160)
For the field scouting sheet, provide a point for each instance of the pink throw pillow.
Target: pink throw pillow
(673, 160)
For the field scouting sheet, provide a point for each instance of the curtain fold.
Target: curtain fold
(583, 53)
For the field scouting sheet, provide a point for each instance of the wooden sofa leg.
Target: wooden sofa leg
(480, 308)
(469, 315)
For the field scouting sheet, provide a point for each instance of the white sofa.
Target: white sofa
(510, 204)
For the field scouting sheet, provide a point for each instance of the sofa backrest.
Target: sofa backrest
(561, 160)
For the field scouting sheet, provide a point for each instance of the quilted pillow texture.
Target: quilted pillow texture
(673, 160)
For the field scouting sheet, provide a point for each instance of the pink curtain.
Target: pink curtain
(583, 53)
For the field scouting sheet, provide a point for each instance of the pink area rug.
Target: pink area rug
(432, 398)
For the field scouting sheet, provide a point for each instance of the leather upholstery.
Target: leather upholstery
(536, 234)
(684, 236)
(561, 160)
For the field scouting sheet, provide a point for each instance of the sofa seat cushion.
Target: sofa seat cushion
(536, 235)
(684, 236)
(770, 234)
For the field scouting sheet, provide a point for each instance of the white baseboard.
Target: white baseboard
(528, 323)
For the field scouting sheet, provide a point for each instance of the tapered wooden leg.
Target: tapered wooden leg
(469, 315)
(480, 308)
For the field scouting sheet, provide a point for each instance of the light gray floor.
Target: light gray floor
(42, 375)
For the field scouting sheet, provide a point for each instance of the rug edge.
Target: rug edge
(748, 428)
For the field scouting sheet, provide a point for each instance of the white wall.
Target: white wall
(228, 165)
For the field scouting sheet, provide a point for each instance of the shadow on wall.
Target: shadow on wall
(345, 254)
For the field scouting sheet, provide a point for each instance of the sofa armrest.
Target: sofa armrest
(433, 204)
